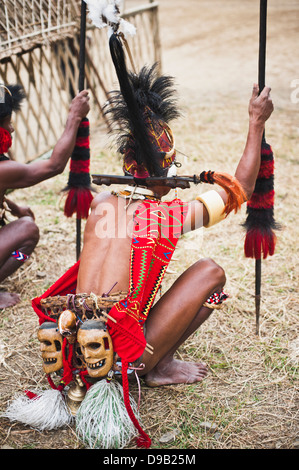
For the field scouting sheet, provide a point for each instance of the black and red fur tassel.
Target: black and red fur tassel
(260, 224)
(79, 184)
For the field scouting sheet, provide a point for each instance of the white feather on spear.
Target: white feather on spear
(104, 13)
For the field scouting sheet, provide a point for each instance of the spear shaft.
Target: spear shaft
(261, 81)
(81, 88)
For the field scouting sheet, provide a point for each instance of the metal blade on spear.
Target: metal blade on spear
(260, 238)
(79, 183)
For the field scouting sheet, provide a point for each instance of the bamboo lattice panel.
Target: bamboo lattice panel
(25, 23)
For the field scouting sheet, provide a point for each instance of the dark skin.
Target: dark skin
(179, 312)
(23, 234)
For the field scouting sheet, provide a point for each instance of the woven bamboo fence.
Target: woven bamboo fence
(39, 49)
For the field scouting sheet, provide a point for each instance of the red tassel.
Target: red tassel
(258, 243)
(143, 440)
(78, 201)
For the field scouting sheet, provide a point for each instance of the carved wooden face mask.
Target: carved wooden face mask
(97, 348)
(51, 347)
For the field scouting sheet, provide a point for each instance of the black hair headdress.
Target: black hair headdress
(11, 98)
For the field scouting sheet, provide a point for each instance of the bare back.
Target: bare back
(105, 256)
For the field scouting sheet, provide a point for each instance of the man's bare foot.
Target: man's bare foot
(176, 372)
(8, 300)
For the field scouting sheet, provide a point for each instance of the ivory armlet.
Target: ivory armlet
(214, 204)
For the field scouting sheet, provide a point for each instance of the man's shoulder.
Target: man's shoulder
(7, 163)
(5, 166)
(103, 197)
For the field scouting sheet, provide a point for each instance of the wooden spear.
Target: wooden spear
(81, 87)
(260, 238)
(261, 82)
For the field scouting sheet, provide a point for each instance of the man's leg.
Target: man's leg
(22, 235)
(174, 318)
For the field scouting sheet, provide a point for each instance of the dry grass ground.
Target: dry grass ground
(251, 392)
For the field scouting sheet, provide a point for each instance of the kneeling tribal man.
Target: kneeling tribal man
(105, 259)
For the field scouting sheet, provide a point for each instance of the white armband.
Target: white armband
(214, 204)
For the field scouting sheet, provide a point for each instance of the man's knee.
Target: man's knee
(30, 229)
(214, 271)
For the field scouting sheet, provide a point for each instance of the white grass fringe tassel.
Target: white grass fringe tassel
(102, 421)
(47, 411)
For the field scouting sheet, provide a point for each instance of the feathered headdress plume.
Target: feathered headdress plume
(143, 107)
(105, 13)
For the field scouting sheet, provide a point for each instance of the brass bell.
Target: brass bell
(75, 395)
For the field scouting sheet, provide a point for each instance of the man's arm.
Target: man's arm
(260, 109)
(17, 175)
